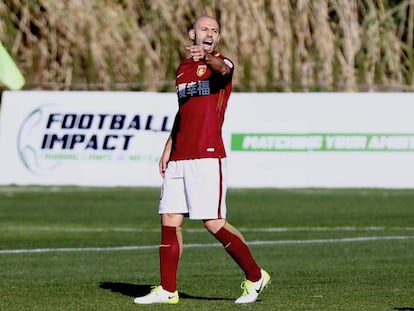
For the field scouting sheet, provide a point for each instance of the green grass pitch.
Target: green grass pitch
(77, 248)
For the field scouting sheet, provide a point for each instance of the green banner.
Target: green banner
(322, 142)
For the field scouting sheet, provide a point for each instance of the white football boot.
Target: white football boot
(252, 289)
(158, 295)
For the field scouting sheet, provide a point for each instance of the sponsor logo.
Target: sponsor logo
(52, 134)
(323, 142)
(200, 88)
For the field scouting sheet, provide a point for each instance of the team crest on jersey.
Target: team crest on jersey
(201, 70)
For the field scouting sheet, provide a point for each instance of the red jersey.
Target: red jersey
(202, 96)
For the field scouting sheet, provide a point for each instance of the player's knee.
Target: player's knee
(172, 220)
(214, 225)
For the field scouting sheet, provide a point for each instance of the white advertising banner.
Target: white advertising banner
(272, 139)
(322, 140)
(83, 138)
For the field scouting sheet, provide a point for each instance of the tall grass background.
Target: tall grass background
(277, 45)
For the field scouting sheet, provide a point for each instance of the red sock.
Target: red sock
(235, 245)
(169, 252)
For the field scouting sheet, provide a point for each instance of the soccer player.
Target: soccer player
(193, 166)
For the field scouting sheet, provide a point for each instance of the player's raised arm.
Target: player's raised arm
(218, 64)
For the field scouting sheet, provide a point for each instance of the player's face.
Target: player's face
(206, 32)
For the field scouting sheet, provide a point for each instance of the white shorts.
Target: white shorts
(196, 188)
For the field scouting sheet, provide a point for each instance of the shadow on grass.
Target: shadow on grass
(137, 290)
(404, 308)
(126, 289)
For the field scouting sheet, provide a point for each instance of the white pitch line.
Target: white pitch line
(274, 229)
(256, 243)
